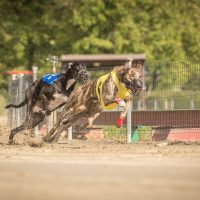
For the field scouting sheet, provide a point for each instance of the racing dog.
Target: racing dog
(47, 94)
(87, 101)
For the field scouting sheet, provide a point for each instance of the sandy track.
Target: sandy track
(98, 169)
(98, 177)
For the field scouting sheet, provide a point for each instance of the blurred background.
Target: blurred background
(167, 32)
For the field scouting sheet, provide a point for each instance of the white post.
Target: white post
(34, 73)
(20, 99)
(166, 104)
(69, 130)
(129, 125)
(52, 118)
(54, 60)
(192, 104)
(36, 129)
(155, 105)
(129, 118)
(69, 133)
(13, 111)
(139, 105)
(172, 104)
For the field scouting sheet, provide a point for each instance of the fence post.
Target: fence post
(143, 87)
(172, 104)
(192, 104)
(34, 69)
(69, 133)
(51, 120)
(139, 105)
(13, 111)
(20, 99)
(129, 118)
(166, 104)
(69, 130)
(155, 105)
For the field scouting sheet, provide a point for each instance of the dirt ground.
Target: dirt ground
(97, 169)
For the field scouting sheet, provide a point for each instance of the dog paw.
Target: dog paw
(122, 103)
(10, 142)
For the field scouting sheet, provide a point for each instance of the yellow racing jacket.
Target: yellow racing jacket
(121, 93)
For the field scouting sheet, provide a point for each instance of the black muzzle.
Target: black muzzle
(134, 87)
(82, 77)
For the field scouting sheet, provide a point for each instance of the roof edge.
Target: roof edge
(100, 57)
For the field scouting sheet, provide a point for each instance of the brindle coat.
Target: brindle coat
(83, 102)
(42, 99)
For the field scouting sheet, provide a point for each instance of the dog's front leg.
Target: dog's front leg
(120, 120)
(89, 122)
(109, 92)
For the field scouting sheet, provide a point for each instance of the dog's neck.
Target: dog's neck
(67, 80)
(69, 74)
(121, 78)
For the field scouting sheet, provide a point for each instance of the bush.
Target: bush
(114, 133)
(144, 133)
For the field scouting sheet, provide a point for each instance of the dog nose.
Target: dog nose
(138, 83)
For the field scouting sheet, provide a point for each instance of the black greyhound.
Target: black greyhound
(42, 98)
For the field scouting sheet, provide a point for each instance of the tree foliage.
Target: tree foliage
(30, 30)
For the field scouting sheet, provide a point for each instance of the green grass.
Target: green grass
(119, 134)
(144, 133)
(114, 133)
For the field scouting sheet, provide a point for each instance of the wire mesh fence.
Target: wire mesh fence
(171, 86)
(17, 86)
(168, 104)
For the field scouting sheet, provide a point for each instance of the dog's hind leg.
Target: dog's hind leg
(30, 123)
(47, 137)
(14, 132)
(89, 122)
(66, 124)
(54, 138)
(52, 134)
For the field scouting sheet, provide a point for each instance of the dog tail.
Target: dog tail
(16, 105)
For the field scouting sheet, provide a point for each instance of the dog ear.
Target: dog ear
(122, 71)
(137, 65)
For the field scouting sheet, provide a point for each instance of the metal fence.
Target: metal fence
(169, 103)
(17, 86)
(171, 86)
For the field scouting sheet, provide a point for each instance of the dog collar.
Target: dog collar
(121, 93)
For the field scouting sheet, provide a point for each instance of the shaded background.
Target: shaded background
(30, 31)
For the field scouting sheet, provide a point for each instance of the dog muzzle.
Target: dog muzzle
(134, 87)
(82, 77)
